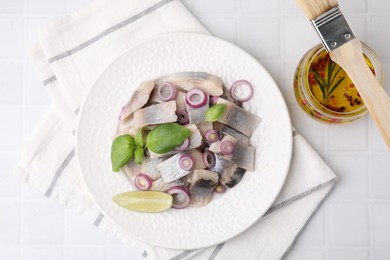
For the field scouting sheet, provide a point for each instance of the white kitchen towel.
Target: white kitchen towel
(70, 56)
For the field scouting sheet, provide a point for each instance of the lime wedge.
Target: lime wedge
(144, 201)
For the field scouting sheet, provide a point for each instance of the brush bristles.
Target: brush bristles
(314, 8)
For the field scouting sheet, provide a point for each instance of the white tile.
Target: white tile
(380, 40)
(9, 183)
(302, 254)
(299, 38)
(215, 6)
(221, 27)
(381, 177)
(260, 6)
(355, 6)
(32, 117)
(377, 142)
(311, 130)
(380, 5)
(29, 192)
(36, 93)
(81, 232)
(314, 233)
(261, 37)
(42, 253)
(11, 6)
(11, 84)
(381, 255)
(123, 253)
(9, 222)
(78, 4)
(32, 25)
(358, 24)
(86, 253)
(349, 255)
(11, 132)
(289, 72)
(382, 224)
(10, 252)
(46, 6)
(352, 172)
(12, 30)
(42, 222)
(349, 137)
(349, 224)
(273, 69)
(290, 7)
(113, 240)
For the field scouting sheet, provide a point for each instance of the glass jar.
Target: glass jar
(320, 94)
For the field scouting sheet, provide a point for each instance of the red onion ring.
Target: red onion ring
(166, 91)
(220, 188)
(181, 197)
(143, 182)
(211, 136)
(182, 117)
(184, 145)
(196, 98)
(226, 147)
(236, 88)
(186, 162)
(208, 159)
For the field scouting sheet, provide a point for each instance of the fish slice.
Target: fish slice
(346, 50)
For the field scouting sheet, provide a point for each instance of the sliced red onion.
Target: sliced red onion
(196, 98)
(143, 182)
(241, 90)
(184, 145)
(182, 117)
(181, 197)
(209, 159)
(226, 147)
(186, 162)
(167, 92)
(220, 188)
(211, 136)
(213, 100)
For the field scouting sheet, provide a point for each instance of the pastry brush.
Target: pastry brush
(346, 50)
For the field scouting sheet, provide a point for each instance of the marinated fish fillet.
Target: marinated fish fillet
(230, 131)
(203, 184)
(231, 180)
(229, 173)
(180, 101)
(155, 114)
(160, 185)
(243, 155)
(196, 141)
(239, 118)
(148, 167)
(197, 115)
(204, 127)
(170, 169)
(139, 99)
(198, 158)
(132, 169)
(210, 84)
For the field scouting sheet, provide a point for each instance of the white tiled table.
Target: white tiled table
(353, 224)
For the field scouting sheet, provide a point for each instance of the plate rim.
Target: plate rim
(242, 52)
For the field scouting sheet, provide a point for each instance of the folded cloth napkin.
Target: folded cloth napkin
(71, 54)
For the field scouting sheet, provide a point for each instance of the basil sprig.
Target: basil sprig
(122, 150)
(215, 112)
(166, 137)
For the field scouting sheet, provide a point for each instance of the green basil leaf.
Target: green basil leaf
(122, 150)
(139, 139)
(166, 137)
(138, 155)
(215, 112)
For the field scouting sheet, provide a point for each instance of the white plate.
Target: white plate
(225, 216)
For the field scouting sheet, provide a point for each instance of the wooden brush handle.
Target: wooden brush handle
(349, 56)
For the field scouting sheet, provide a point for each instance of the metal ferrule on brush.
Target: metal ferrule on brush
(333, 29)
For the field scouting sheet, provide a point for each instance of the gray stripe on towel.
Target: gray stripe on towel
(49, 80)
(110, 30)
(216, 251)
(182, 255)
(59, 172)
(98, 219)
